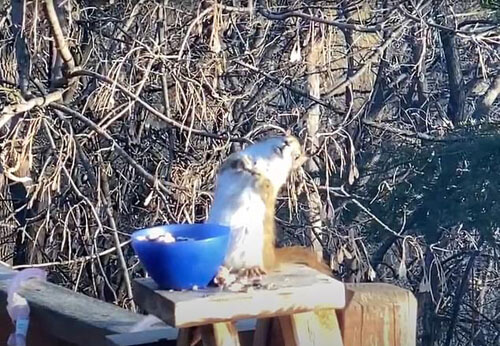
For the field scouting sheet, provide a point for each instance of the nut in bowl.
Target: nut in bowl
(182, 256)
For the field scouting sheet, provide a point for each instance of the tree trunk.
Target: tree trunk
(456, 103)
(312, 125)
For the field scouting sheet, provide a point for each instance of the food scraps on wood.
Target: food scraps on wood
(227, 280)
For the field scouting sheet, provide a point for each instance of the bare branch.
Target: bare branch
(459, 296)
(59, 36)
(123, 263)
(289, 86)
(490, 26)
(149, 178)
(154, 111)
(264, 11)
(11, 110)
(410, 134)
(74, 261)
(22, 54)
(456, 103)
(378, 53)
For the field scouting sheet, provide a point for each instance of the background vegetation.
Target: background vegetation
(114, 115)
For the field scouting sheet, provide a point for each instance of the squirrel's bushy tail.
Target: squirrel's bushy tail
(301, 255)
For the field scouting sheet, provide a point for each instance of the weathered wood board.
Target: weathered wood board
(297, 289)
(378, 314)
(71, 316)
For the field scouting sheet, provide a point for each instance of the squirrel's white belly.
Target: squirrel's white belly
(238, 205)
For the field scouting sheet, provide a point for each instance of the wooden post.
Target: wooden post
(378, 314)
(220, 334)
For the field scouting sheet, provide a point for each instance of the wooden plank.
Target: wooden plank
(315, 328)
(297, 288)
(379, 314)
(71, 316)
(155, 337)
(37, 336)
(220, 334)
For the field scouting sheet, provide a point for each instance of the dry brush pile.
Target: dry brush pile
(115, 116)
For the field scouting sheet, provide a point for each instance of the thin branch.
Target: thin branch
(448, 29)
(411, 134)
(22, 53)
(264, 11)
(162, 28)
(74, 261)
(11, 110)
(145, 174)
(374, 217)
(154, 111)
(123, 264)
(59, 36)
(289, 86)
(378, 53)
(190, 28)
(458, 297)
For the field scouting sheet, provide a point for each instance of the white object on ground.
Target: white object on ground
(18, 307)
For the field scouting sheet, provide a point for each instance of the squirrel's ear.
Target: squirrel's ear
(288, 132)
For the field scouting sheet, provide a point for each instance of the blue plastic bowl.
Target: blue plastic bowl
(183, 264)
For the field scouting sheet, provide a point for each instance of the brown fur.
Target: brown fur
(274, 257)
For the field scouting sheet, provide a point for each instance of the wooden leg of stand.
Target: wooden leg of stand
(185, 337)
(262, 332)
(311, 329)
(220, 334)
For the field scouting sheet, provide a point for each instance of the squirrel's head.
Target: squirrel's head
(275, 158)
(289, 148)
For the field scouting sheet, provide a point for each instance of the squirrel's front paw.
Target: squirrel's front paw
(224, 277)
(252, 273)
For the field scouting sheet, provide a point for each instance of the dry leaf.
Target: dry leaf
(216, 46)
(353, 174)
(296, 55)
(347, 253)
(148, 198)
(425, 285)
(371, 274)
(402, 271)
(340, 256)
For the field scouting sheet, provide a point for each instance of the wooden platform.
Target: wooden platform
(374, 314)
(297, 303)
(296, 289)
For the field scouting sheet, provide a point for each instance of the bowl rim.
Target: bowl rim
(134, 234)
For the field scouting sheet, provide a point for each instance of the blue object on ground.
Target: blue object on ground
(184, 263)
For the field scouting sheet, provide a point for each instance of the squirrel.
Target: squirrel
(246, 191)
